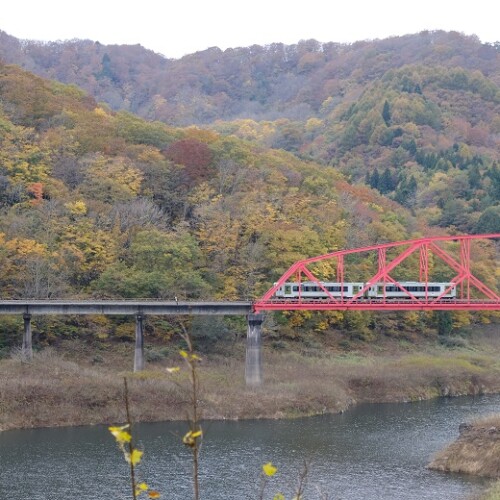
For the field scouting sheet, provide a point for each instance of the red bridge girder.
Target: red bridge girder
(466, 282)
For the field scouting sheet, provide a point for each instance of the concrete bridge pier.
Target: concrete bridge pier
(27, 348)
(253, 363)
(139, 343)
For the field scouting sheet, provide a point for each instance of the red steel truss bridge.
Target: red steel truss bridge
(416, 260)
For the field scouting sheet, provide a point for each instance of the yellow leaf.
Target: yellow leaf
(123, 437)
(141, 488)
(120, 428)
(174, 369)
(280, 496)
(269, 469)
(135, 457)
(190, 438)
(120, 434)
(184, 354)
(195, 357)
(153, 494)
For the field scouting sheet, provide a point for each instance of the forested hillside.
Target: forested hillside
(272, 82)
(304, 149)
(95, 201)
(428, 138)
(260, 82)
(415, 117)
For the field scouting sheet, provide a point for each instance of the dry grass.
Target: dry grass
(77, 385)
(53, 391)
(476, 451)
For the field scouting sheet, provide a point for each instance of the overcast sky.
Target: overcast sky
(178, 27)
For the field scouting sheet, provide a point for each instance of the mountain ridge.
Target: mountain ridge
(260, 82)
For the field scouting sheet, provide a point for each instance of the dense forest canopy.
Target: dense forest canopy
(409, 116)
(244, 161)
(89, 190)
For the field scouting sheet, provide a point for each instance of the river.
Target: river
(371, 452)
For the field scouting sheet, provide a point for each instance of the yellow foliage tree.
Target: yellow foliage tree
(77, 207)
(112, 179)
(86, 251)
(24, 160)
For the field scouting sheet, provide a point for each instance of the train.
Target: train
(377, 291)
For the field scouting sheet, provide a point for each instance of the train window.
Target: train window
(288, 289)
(295, 288)
(380, 289)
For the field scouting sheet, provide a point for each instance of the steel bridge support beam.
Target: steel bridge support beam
(253, 362)
(27, 348)
(139, 343)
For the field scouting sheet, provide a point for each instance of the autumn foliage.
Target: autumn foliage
(309, 148)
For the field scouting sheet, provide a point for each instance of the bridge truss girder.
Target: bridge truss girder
(464, 280)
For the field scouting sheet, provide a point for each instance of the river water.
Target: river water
(372, 452)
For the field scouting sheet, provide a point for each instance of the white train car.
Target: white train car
(311, 290)
(417, 289)
(378, 291)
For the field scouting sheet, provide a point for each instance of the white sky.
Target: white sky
(178, 27)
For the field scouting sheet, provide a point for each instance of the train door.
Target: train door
(371, 292)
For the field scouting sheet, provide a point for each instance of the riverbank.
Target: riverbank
(476, 451)
(79, 384)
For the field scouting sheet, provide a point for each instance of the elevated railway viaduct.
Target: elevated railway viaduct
(381, 291)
